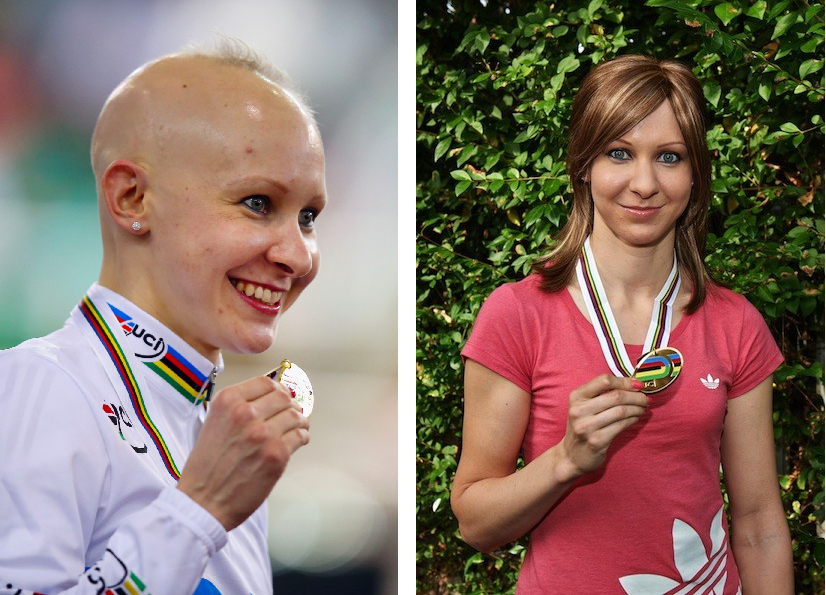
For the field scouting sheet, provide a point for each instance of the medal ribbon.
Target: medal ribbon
(607, 330)
(127, 375)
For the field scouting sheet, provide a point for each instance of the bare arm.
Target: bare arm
(496, 504)
(760, 534)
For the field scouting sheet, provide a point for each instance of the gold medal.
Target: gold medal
(658, 369)
(295, 378)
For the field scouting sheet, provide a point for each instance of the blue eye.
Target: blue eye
(618, 154)
(257, 203)
(670, 157)
(307, 218)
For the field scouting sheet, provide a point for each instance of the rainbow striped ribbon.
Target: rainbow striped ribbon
(118, 357)
(605, 325)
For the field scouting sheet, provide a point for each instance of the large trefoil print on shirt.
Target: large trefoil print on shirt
(699, 572)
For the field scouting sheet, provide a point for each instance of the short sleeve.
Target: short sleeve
(758, 356)
(499, 339)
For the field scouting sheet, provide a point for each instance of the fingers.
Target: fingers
(257, 398)
(606, 383)
(604, 393)
(259, 386)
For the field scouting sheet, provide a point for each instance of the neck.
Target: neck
(637, 270)
(134, 289)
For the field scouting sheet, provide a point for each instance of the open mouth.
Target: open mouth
(262, 294)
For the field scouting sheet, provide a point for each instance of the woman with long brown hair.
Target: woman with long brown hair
(625, 376)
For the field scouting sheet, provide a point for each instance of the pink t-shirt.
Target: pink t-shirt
(651, 520)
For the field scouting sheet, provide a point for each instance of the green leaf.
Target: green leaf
(757, 10)
(712, 92)
(783, 24)
(765, 91)
(789, 127)
(567, 64)
(726, 12)
(481, 41)
(593, 6)
(460, 174)
(441, 148)
(462, 186)
(809, 66)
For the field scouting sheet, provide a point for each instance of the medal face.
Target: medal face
(658, 369)
(294, 377)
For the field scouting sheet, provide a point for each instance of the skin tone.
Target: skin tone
(640, 185)
(224, 171)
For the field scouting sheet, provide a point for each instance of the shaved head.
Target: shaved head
(181, 93)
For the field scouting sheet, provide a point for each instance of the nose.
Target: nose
(292, 251)
(644, 181)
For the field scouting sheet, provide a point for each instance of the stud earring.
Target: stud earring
(136, 226)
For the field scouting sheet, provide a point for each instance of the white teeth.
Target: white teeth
(265, 295)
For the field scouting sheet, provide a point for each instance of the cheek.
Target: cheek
(678, 187)
(606, 184)
(300, 284)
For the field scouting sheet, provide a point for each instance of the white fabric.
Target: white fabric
(79, 503)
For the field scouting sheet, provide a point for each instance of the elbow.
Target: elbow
(471, 532)
(474, 524)
(475, 540)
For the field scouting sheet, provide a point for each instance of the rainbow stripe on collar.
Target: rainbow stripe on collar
(110, 343)
(604, 323)
(173, 367)
(182, 375)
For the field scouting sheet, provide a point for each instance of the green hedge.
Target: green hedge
(495, 82)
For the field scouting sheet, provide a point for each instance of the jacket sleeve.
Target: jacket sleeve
(54, 481)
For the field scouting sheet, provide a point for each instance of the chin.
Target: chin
(253, 343)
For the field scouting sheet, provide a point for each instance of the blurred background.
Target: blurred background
(333, 515)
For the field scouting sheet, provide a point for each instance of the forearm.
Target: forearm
(164, 546)
(762, 548)
(497, 510)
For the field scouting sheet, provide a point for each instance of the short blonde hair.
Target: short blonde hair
(613, 98)
(234, 52)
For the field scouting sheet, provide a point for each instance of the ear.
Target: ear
(123, 185)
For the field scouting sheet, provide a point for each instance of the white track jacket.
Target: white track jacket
(96, 423)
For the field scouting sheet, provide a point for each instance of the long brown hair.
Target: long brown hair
(613, 98)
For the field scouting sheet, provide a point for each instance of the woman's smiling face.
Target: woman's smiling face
(232, 199)
(641, 183)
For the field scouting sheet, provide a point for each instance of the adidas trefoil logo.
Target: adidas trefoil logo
(710, 383)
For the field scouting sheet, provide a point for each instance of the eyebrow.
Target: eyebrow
(259, 180)
(660, 146)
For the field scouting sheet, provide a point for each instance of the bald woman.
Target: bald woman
(113, 479)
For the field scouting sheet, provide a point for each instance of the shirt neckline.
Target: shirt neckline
(177, 364)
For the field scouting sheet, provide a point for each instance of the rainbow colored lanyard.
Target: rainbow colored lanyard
(602, 318)
(128, 377)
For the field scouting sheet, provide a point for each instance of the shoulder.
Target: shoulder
(50, 378)
(728, 305)
(526, 292)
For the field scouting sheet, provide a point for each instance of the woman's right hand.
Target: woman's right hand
(252, 430)
(598, 412)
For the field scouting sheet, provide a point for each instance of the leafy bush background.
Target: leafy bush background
(495, 82)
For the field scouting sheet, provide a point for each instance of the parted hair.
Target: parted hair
(613, 98)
